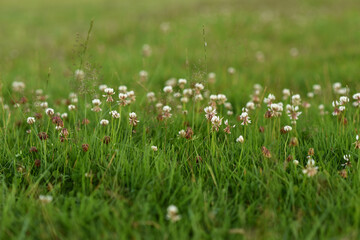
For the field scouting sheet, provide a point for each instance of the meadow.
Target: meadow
(193, 119)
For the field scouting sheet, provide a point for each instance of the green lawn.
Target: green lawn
(116, 186)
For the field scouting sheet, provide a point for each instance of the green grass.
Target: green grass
(223, 189)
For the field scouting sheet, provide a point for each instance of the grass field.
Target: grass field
(165, 165)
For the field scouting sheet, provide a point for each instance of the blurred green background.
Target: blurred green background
(276, 43)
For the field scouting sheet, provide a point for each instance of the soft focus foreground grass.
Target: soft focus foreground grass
(221, 198)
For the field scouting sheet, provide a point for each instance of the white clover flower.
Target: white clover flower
(212, 77)
(114, 114)
(71, 107)
(133, 119)
(30, 120)
(229, 113)
(231, 70)
(146, 50)
(221, 98)
(336, 87)
(79, 74)
(199, 86)
(44, 105)
(216, 122)
(268, 100)
(213, 97)
(310, 170)
(109, 91)
(250, 105)
(151, 96)
(344, 100)
(245, 118)
(210, 112)
(143, 75)
(286, 93)
(188, 92)
(228, 105)
(45, 198)
(182, 133)
(296, 100)
(177, 95)
(168, 89)
(166, 112)
(159, 105)
(18, 86)
(317, 89)
(184, 99)
(39, 92)
(49, 111)
(347, 157)
(287, 128)
(310, 94)
(96, 102)
(173, 214)
(154, 148)
(171, 82)
(198, 97)
(103, 87)
(64, 115)
(104, 122)
(122, 89)
(182, 82)
(240, 139)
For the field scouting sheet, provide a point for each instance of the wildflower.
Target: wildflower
(216, 122)
(344, 100)
(266, 153)
(177, 95)
(106, 140)
(96, 102)
(356, 97)
(104, 122)
(198, 87)
(293, 113)
(293, 142)
(240, 139)
(287, 128)
(310, 94)
(286, 93)
(276, 109)
(151, 96)
(166, 112)
(311, 152)
(43, 135)
(198, 97)
(168, 89)
(44, 104)
(357, 142)
(188, 92)
(230, 113)
(343, 173)
(171, 82)
(211, 77)
(114, 114)
(317, 89)
(71, 107)
(227, 129)
(133, 119)
(85, 121)
(123, 99)
(143, 75)
(296, 162)
(85, 147)
(182, 82)
(245, 118)
(18, 86)
(108, 94)
(165, 26)
(173, 213)
(154, 148)
(231, 70)
(45, 198)
(37, 163)
(269, 100)
(310, 170)
(221, 99)
(64, 132)
(182, 133)
(347, 160)
(250, 105)
(336, 87)
(30, 120)
(184, 99)
(294, 52)
(49, 111)
(209, 112)
(103, 87)
(146, 50)
(296, 100)
(79, 74)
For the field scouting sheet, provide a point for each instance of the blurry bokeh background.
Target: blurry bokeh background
(276, 43)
